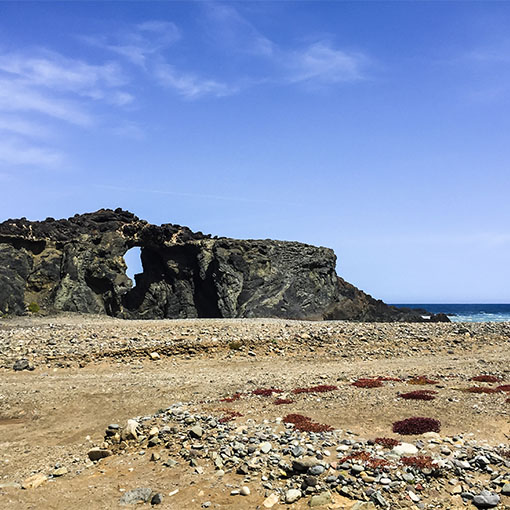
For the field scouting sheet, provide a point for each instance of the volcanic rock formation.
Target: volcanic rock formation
(77, 265)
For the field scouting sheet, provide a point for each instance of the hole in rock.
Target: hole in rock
(133, 261)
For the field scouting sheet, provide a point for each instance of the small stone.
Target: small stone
(310, 481)
(265, 447)
(363, 505)
(155, 457)
(34, 481)
(414, 497)
(206, 504)
(297, 451)
(486, 499)
(131, 430)
(135, 496)
(22, 364)
(245, 491)
(506, 489)
(197, 432)
(60, 471)
(317, 470)
(271, 501)
(292, 495)
(96, 454)
(154, 356)
(320, 499)
(156, 499)
(405, 449)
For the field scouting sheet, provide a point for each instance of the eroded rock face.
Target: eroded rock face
(77, 265)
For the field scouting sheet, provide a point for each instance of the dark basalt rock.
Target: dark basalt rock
(77, 265)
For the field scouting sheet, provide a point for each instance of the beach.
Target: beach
(76, 375)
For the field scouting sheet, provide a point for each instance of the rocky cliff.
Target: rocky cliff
(77, 265)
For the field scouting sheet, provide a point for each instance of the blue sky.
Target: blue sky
(379, 129)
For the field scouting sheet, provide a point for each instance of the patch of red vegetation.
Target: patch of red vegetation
(421, 380)
(480, 389)
(365, 457)
(387, 442)
(233, 398)
(306, 424)
(368, 383)
(281, 401)
(266, 392)
(504, 453)
(323, 388)
(420, 461)
(504, 387)
(419, 395)
(229, 416)
(416, 425)
(486, 378)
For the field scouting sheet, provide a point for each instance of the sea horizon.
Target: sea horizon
(466, 312)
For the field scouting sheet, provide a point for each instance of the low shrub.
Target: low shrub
(368, 383)
(419, 395)
(34, 308)
(229, 416)
(306, 424)
(315, 389)
(282, 401)
(420, 462)
(504, 387)
(421, 380)
(486, 378)
(366, 458)
(480, 389)
(387, 442)
(416, 425)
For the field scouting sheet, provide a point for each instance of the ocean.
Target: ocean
(467, 312)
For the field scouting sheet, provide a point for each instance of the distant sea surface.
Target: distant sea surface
(467, 313)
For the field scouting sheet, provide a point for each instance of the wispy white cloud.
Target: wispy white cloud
(17, 152)
(230, 29)
(57, 73)
(189, 85)
(40, 87)
(14, 124)
(17, 97)
(317, 64)
(140, 42)
(144, 46)
(323, 64)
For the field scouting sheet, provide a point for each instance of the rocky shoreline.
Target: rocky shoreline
(74, 339)
(334, 469)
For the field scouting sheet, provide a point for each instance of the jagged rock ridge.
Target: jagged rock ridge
(77, 265)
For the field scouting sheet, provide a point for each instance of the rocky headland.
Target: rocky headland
(77, 265)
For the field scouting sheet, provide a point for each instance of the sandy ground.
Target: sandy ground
(53, 415)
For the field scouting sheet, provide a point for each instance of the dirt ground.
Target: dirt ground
(53, 415)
